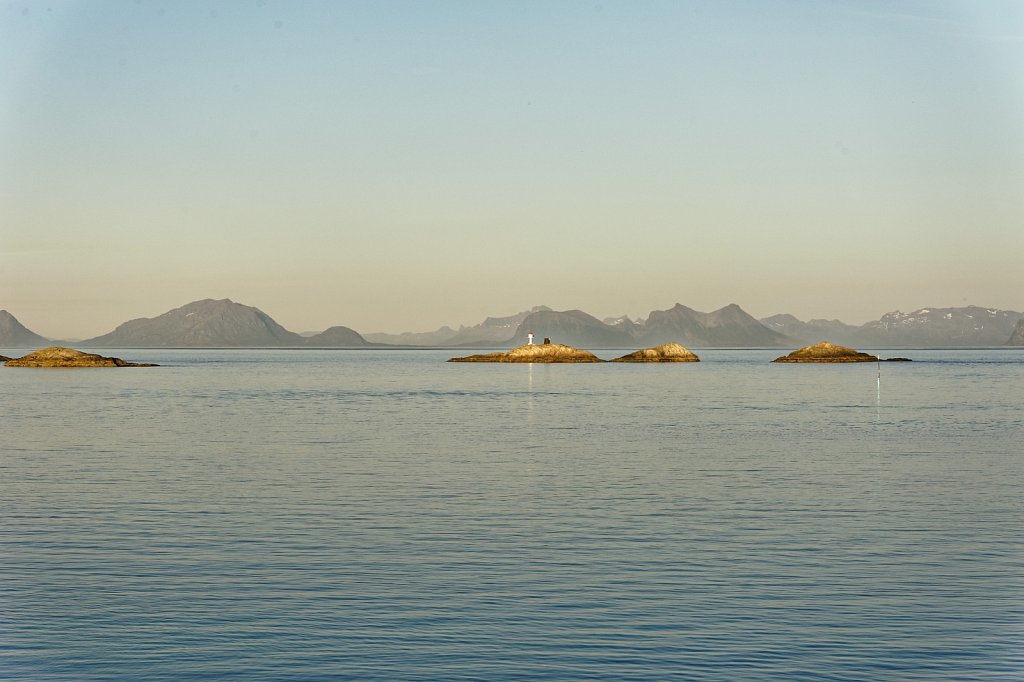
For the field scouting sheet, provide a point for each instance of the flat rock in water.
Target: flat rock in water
(666, 352)
(56, 356)
(827, 352)
(546, 352)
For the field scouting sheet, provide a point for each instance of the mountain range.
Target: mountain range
(213, 324)
(493, 330)
(226, 324)
(924, 328)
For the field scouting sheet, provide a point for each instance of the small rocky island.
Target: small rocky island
(57, 356)
(827, 352)
(546, 352)
(666, 352)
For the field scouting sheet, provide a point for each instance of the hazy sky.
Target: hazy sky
(395, 166)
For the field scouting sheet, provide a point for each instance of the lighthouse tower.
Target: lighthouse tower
(529, 338)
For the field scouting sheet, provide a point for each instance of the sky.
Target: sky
(397, 166)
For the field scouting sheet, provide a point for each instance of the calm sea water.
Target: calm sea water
(384, 515)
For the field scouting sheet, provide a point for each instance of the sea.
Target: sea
(386, 515)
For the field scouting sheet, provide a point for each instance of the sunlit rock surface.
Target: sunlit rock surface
(545, 352)
(827, 352)
(666, 352)
(57, 356)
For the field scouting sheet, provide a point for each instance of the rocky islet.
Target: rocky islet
(666, 352)
(58, 356)
(830, 352)
(545, 352)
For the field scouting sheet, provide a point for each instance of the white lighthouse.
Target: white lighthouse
(529, 338)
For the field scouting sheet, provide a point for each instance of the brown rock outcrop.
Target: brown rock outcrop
(666, 352)
(827, 352)
(548, 352)
(56, 356)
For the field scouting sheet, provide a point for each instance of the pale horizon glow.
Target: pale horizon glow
(401, 166)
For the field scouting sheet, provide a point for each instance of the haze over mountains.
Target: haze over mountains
(226, 324)
(727, 327)
(13, 334)
(198, 324)
(1017, 338)
(490, 331)
(927, 327)
(217, 324)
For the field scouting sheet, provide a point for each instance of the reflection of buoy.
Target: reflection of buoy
(878, 361)
(529, 338)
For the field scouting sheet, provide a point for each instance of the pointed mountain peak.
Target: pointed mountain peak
(731, 312)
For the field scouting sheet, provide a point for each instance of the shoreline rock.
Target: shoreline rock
(58, 356)
(666, 352)
(547, 352)
(827, 352)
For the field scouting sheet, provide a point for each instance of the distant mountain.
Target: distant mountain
(813, 331)
(494, 329)
(439, 337)
(730, 326)
(573, 328)
(632, 327)
(226, 324)
(490, 332)
(207, 323)
(924, 328)
(14, 334)
(337, 337)
(1017, 337)
(969, 326)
